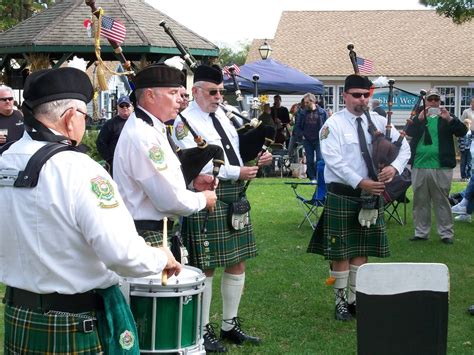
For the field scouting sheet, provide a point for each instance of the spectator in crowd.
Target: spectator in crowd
(110, 132)
(433, 160)
(464, 145)
(281, 117)
(310, 120)
(296, 135)
(11, 120)
(185, 97)
(469, 112)
(377, 108)
(465, 207)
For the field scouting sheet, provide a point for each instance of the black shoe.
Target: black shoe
(237, 335)
(471, 310)
(211, 343)
(351, 307)
(417, 239)
(447, 240)
(342, 311)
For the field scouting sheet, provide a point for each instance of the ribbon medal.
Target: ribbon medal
(157, 156)
(104, 192)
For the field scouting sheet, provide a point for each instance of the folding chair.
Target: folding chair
(395, 195)
(310, 205)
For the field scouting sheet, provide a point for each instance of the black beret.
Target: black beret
(207, 73)
(355, 81)
(158, 75)
(57, 84)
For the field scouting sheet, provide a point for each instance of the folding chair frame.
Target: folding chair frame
(391, 209)
(309, 205)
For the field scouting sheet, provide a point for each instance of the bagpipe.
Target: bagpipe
(384, 150)
(253, 137)
(192, 160)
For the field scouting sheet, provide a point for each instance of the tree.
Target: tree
(13, 12)
(227, 56)
(459, 11)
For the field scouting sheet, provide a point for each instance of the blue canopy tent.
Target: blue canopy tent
(275, 78)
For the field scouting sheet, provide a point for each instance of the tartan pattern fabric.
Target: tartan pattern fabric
(28, 332)
(221, 246)
(153, 237)
(339, 236)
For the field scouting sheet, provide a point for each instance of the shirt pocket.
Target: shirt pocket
(350, 144)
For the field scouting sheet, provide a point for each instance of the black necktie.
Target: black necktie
(171, 142)
(228, 149)
(365, 150)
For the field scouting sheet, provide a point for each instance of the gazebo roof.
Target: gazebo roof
(59, 30)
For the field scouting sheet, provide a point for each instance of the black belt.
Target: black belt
(42, 303)
(345, 190)
(152, 225)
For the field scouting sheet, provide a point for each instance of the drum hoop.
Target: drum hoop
(151, 292)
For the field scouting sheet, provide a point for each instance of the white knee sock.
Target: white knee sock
(206, 300)
(231, 290)
(341, 278)
(351, 295)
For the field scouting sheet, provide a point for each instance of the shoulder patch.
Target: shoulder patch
(104, 191)
(127, 340)
(157, 156)
(324, 133)
(181, 131)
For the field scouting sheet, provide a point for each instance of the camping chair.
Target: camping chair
(281, 161)
(310, 206)
(395, 195)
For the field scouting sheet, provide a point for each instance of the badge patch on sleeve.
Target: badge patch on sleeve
(127, 340)
(104, 192)
(157, 156)
(324, 133)
(181, 130)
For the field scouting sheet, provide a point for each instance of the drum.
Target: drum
(168, 317)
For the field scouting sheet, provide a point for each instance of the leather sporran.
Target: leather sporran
(238, 216)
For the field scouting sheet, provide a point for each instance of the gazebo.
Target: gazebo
(58, 33)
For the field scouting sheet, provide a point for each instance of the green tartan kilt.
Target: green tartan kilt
(339, 236)
(221, 246)
(55, 332)
(155, 238)
(28, 332)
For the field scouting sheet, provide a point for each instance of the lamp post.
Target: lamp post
(265, 50)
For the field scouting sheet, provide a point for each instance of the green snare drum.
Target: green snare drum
(168, 317)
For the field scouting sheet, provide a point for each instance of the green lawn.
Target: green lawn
(286, 301)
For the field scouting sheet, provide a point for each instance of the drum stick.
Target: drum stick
(164, 275)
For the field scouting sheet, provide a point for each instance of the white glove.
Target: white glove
(368, 217)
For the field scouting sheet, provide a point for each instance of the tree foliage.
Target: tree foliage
(459, 11)
(229, 56)
(13, 12)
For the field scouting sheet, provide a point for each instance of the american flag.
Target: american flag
(365, 65)
(112, 29)
(226, 70)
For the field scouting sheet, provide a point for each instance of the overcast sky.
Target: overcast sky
(231, 22)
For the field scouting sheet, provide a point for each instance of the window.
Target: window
(340, 101)
(448, 97)
(466, 95)
(329, 97)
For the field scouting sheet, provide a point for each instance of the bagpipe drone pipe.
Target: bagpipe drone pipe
(254, 138)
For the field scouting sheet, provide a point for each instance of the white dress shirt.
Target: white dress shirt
(72, 232)
(148, 173)
(202, 124)
(341, 150)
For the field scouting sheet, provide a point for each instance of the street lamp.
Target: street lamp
(265, 50)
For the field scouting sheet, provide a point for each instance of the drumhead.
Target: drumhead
(188, 277)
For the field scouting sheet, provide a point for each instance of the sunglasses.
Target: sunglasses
(431, 99)
(5, 99)
(124, 105)
(358, 95)
(214, 92)
(86, 116)
(186, 96)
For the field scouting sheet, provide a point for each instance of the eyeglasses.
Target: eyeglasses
(124, 105)
(358, 95)
(430, 99)
(86, 116)
(213, 92)
(5, 99)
